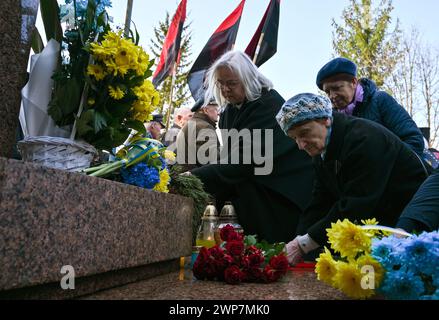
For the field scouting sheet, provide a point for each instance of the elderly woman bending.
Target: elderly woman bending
(264, 174)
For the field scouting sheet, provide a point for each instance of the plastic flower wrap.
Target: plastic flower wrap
(143, 163)
(368, 260)
(241, 259)
(102, 86)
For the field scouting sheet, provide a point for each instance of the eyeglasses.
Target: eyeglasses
(232, 84)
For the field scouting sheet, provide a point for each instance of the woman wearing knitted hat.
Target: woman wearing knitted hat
(361, 98)
(362, 170)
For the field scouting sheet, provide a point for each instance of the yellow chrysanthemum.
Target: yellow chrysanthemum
(100, 52)
(348, 279)
(378, 270)
(372, 221)
(91, 101)
(96, 71)
(326, 267)
(142, 62)
(144, 91)
(162, 186)
(348, 238)
(116, 93)
(124, 56)
(169, 155)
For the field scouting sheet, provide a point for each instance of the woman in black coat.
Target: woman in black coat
(362, 169)
(268, 192)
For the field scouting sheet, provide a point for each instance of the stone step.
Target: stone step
(51, 218)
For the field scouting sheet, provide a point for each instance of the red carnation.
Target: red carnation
(226, 231)
(255, 274)
(279, 263)
(235, 248)
(254, 249)
(234, 275)
(270, 275)
(216, 252)
(256, 259)
(199, 270)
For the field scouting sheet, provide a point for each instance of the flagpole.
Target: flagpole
(128, 17)
(171, 91)
(258, 47)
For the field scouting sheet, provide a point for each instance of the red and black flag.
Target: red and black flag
(220, 42)
(171, 46)
(264, 42)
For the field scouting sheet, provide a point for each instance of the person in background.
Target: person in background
(361, 98)
(268, 202)
(154, 127)
(362, 169)
(189, 139)
(422, 212)
(181, 116)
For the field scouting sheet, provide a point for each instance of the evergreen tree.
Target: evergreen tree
(364, 37)
(181, 94)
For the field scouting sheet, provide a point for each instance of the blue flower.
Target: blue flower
(141, 175)
(434, 296)
(387, 251)
(419, 255)
(401, 285)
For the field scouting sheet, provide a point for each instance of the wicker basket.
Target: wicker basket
(58, 153)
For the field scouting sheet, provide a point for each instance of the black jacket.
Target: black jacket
(286, 190)
(422, 212)
(367, 172)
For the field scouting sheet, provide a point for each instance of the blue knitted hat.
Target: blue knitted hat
(303, 107)
(333, 67)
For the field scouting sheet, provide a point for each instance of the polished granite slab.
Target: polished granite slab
(51, 218)
(297, 285)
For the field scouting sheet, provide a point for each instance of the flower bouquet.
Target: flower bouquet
(143, 163)
(241, 259)
(370, 259)
(96, 92)
(101, 86)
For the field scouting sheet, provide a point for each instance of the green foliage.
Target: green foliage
(181, 94)
(270, 250)
(364, 37)
(69, 79)
(50, 16)
(190, 186)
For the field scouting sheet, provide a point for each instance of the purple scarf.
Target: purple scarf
(349, 110)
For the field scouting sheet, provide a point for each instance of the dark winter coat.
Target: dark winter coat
(422, 212)
(367, 172)
(382, 108)
(266, 205)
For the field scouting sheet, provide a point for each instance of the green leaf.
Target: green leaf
(250, 240)
(37, 42)
(50, 16)
(99, 121)
(136, 125)
(83, 123)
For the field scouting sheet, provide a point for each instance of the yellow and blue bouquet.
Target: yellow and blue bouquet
(101, 86)
(369, 259)
(143, 163)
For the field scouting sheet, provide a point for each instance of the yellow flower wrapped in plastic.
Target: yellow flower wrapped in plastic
(102, 87)
(348, 239)
(355, 272)
(118, 84)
